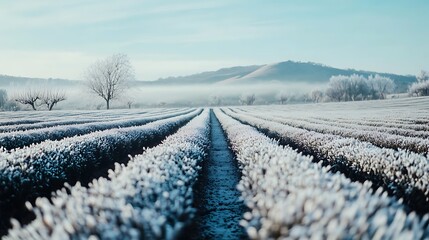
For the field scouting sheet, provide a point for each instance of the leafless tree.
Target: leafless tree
(130, 103)
(421, 87)
(339, 85)
(282, 97)
(422, 76)
(382, 85)
(161, 104)
(50, 98)
(334, 94)
(108, 78)
(247, 99)
(358, 87)
(215, 100)
(316, 96)
(29, 97)
(3, 99)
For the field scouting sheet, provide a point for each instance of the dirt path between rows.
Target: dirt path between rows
(216, 195)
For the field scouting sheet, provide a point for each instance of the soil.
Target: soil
(219, 208)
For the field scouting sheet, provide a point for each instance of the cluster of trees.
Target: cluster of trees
(357, 87)
(33, 98)
(37, 98)
(107, 78)
(421, 87)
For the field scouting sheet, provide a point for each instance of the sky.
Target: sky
(60, 39)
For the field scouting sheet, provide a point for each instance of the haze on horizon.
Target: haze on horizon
(60, 39)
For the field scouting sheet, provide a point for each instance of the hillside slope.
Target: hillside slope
(283, 72)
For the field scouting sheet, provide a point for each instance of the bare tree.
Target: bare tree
(161, 104)
(382, 85)
(358, 87)
(50, 98)
(108, 78)
(282, 97)
(29, 97)
(421, 87)
(248, 99)
(340, 85)
(316, 96)
(3, 99)
(130, 103)
(334, 94)
(422, 76)
(215, 100)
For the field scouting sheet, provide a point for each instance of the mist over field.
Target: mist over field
(294, 82)
(202, 95)
(78, 96)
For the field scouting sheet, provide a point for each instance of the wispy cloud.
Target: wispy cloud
(61, 14)
(48, 13)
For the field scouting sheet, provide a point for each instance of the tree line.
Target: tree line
(357, 87)
(32, 98)
(354, 87)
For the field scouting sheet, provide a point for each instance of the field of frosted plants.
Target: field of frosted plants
(355, 170)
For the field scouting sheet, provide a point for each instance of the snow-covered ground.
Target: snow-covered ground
(327, 170)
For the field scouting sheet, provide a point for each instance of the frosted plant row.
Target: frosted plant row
(39, 169)
(289, 196)
(73, 121)
(45, 124)
(11, 121)
(16, 118)
(382, 123)
(404, 173)
(391, 110)
(150, 198)
(24, 117)
(414, 144)
(416, 130)
(25, 138)
(359, 116)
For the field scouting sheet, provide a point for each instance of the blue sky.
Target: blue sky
(51, 38)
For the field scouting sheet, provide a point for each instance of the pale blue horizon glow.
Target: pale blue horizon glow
(59, 39)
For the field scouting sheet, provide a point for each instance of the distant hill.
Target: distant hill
(22, 82)
(210, 77)
(283, 72)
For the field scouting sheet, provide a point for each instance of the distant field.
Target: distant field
(329, 170)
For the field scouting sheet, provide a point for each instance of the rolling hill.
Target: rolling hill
(282, 72)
